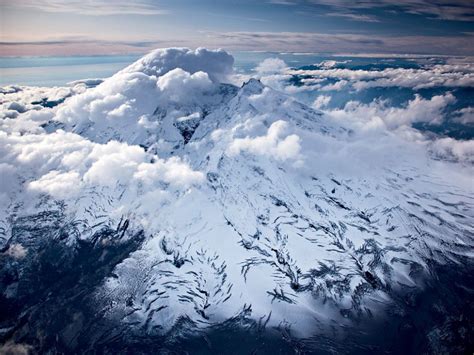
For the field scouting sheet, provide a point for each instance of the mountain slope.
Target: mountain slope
(201, 203)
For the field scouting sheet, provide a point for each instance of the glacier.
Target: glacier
(167, 202)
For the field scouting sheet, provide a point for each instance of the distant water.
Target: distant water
(58, 71)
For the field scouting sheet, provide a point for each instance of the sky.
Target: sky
(86, 27)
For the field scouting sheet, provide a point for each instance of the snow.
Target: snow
(246, 196)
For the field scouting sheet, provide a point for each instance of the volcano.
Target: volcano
(170, 209)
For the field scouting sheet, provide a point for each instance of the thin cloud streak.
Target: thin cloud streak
(92, 8)
(260, 41)
(353, 17)
(82, 47)
(336, 43)
(455, 10)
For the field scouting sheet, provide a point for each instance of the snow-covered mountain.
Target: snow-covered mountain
(174, 202)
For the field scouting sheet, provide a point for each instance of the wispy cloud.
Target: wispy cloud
(439, 75)
(353, 17)
(283, 2)
(82, 46)
(457, 10)
(94, 8)
(243, 18)
(331, 43)
(336, 43)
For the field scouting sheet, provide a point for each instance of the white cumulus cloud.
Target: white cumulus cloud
(274, 144)
(465, 115)
(218, 64)
(61, 164)
(440, 75)
(381, 115)
(58, 184)
(271, 65)
(452, 149)
(179, 85)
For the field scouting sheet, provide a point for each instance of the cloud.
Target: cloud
(276, 74)
(172, 171)
(113, 163)
(16, 251)
(457, 10)
(464, 115)
(274, 144)
(21, 99)
(179, 85)
(271, 66)
(92, 8)
(447, 75)
(326, 64)
(315, 42)
(62, 164)
(337, 86)
(58, 184)
(117, 102)
(282, 2)
(321, 101)
(84, 46)
(380, 115)
(342, 42)
(353, 16)
(439, 75)
(218, 64)
(452, 149)
(272, 72)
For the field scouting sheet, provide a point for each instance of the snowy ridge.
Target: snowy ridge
(240, 200)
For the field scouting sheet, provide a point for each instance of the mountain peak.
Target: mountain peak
(253, 86)
(218, 64)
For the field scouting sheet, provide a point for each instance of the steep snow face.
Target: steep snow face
(298, 219)
(249, 203)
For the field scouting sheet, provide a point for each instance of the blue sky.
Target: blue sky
(59, 27)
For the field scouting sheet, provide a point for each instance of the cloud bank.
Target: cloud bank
(61, 164)
(442, 75)
(380, 114)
